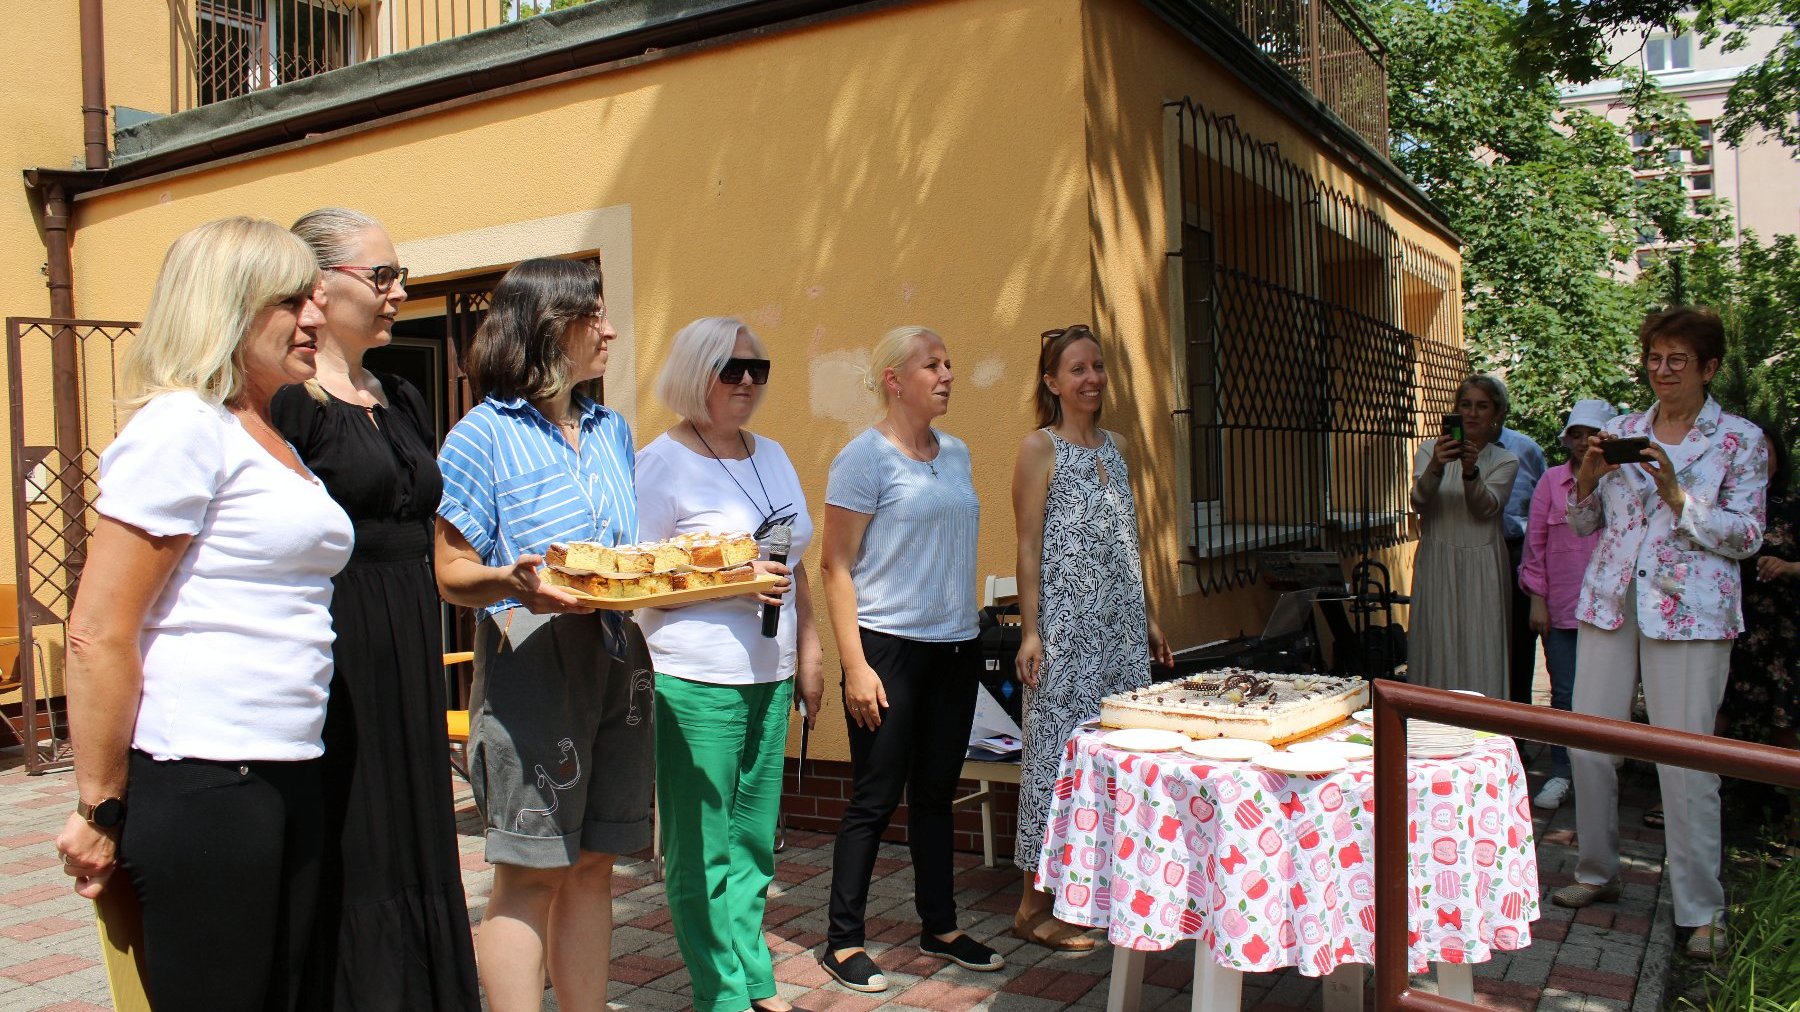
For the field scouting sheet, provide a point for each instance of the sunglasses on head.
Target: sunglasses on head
(732, 372)
(1077, 331)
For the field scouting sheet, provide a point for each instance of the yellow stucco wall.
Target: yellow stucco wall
(990, 168)
(1135, 64)
(919, 165)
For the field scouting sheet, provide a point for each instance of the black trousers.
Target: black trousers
(225, 859)
(919, 748)
(1522, 661)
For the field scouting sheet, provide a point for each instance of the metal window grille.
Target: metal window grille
(1316, 345)
(1329, 49)
(63, 376)
(227, 48)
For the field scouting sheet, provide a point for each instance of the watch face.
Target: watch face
(109, 814)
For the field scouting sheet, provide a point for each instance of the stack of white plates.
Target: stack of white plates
(1428, 740)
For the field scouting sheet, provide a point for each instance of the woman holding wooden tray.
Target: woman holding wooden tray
(724, 685)
(901, 522)
(559, 734)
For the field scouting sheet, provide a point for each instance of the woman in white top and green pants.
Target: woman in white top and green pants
(723, 689)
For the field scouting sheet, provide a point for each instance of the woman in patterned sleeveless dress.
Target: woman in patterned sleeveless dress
(1081, 593)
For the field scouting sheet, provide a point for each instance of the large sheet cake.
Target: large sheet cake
(1234, 703)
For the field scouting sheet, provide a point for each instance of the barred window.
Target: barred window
(1307, 338)
(242, 46)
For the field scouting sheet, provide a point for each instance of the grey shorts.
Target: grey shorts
(560, 739)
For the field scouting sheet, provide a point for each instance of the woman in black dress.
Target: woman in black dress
(394, 928)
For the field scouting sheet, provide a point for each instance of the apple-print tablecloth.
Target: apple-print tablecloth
(1270, 870)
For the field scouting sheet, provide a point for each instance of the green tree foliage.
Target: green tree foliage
(1544, 199)
(1756, 288)
(1568, 38)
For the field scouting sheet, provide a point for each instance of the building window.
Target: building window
(1701, 182)
(242, 46)
(1668, 53)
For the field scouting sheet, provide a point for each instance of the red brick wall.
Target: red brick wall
(827, 791)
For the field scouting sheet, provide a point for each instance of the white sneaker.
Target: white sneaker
(1554, 791)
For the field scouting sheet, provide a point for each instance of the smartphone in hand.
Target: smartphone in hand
(1453, 426)
(1626, 450)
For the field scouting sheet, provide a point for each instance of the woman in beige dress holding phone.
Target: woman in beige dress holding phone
(1462, 577)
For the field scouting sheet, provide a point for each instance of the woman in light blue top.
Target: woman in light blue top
(559, 735)
(901, 521)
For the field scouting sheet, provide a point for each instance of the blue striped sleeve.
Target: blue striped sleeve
(855, 480)
(468, 462)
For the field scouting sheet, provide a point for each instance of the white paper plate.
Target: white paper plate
(1144, 739)
(1310, 761)
(1351, 751)
(1364, 717)
(1238, 749)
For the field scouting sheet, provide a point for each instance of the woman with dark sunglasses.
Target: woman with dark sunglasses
(723, 684)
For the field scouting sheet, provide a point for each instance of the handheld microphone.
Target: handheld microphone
(781, 538)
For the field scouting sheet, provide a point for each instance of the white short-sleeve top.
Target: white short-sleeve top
(680, 491)
(237, 648)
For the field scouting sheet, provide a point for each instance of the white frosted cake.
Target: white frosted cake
(1233, 703)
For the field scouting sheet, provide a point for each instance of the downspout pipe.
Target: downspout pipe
(93, 84)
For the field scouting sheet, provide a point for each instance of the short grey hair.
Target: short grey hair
(1494, 387)
(333, 233)
(696, 355)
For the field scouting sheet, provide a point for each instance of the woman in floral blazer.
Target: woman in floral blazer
(1661, 601)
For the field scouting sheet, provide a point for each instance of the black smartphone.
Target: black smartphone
(1453, 426)
(1628, 450)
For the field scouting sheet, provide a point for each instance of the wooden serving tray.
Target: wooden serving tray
(760, 585)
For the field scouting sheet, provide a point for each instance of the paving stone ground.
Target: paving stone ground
(1597, 959)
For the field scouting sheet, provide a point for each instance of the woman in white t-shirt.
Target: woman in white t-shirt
(200, 642)
(723, 688)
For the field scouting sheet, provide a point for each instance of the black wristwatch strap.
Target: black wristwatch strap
(1472, 474)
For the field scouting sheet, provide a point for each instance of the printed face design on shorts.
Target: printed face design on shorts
(568, 774)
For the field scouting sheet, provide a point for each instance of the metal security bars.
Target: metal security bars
(1329, 49)
(63, 377)
(1315, 344)
(226, 48)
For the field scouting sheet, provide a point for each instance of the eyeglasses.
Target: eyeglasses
(785, 520)
(1077, 331)
(381, 276)
(1675, 363)
(732, 372)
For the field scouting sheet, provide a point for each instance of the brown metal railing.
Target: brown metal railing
(222, 49)
(1395, 702)
(1330, 49)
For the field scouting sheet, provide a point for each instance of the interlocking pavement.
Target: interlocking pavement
(1603, 958)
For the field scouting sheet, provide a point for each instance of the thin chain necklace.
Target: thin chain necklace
(894, 434)
(769, 500)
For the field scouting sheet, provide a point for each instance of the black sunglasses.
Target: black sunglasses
(773, 522)
(1080, 330)
(732, 372)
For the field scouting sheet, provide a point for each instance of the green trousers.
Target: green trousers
(719, 751)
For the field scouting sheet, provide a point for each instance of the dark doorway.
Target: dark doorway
(417, 355)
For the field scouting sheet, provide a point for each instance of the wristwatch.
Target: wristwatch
(108, 813)
(1472, 474)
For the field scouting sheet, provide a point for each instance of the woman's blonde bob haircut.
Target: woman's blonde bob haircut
(695, 357)
(893, 351)
(214, 282)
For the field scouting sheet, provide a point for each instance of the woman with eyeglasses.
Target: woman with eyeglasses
(560, 712)
(1662, 603)
(1081, 592)
(391, 870)
(901, 523)
(200, 641)
(723, 686)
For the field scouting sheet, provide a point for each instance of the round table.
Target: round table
(1270, 870)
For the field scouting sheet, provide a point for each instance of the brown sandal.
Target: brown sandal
(1062, 936)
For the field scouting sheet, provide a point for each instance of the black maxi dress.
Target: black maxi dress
(393, 924)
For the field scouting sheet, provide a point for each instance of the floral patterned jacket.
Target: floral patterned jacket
(1686, 568)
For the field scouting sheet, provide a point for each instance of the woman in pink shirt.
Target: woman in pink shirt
(1550, 572)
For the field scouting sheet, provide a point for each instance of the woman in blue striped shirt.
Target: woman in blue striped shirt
(559, 689)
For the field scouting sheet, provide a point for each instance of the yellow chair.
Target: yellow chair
(456, 722)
